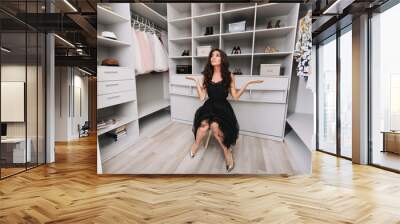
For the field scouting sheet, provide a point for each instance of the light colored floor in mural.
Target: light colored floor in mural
(167, 152)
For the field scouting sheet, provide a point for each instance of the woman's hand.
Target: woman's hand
(191, 78)
(200, 90)
(254, 81)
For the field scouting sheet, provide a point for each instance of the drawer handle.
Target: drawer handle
(110, 72)
(113, 97)
(113, 84)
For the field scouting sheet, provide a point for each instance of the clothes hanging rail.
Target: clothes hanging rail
(140, 22)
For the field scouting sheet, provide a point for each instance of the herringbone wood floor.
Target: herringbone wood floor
(70, 191)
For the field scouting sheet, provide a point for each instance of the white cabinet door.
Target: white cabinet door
(106, 87)
(261, 118)
(184, 107)
(114, 99)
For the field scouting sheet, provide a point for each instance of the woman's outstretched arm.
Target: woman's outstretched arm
(200, 89)
(236, 94)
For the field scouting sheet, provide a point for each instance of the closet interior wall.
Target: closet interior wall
(301, 111)
(262, 109)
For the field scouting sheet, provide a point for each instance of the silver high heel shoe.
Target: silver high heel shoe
(229, 168)
(191, 152)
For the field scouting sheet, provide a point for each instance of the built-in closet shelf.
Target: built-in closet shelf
(106, 42)
(122, 121)
(302, 124)
(207, 37)
(146, 108)
(180, 57)
(107, 17)
(275, 54)
(180, 20)
(237, 35)
(239, 55)
(274, 32)
(147, 12)
(181, 39)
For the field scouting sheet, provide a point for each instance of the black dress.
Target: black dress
(218, 109)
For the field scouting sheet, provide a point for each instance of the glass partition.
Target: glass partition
(22, 77)
(346, 92)
(327, 95)
(385, 89)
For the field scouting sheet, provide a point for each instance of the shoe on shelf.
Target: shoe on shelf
(237, 71)
(234, 50)
(269, 26)
(278, 23)
(185, 53)
(209, 30)
(239, 51)
(269, 49)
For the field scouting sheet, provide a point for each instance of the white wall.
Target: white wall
(80, 82)
(62, 80)
(67, 81)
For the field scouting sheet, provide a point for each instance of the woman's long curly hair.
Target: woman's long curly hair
(209, 70)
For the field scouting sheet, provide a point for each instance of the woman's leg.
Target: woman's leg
(200, 133)
(219, 135)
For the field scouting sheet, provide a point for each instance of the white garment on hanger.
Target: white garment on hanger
(136, 53)
(160, 55)
(145, 52)
(149, 37)
(164, 39)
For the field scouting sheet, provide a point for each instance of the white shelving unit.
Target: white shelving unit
(262, 109)
(116, 96)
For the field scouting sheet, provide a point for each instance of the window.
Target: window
(346, 92)
(327, 95)
(385, 89)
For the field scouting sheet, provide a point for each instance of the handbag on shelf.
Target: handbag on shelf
(183, 69)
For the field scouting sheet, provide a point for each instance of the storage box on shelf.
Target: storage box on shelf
(231, 19)
(270, 69)
(269, 97)
(203, 50)
(284, 59)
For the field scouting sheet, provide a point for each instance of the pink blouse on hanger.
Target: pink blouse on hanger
(137, 56)
(145, 52)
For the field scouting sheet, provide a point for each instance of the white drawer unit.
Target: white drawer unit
(182, 81)
(106, 87)
(111, 73)
(114, 99)
(269, 83)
